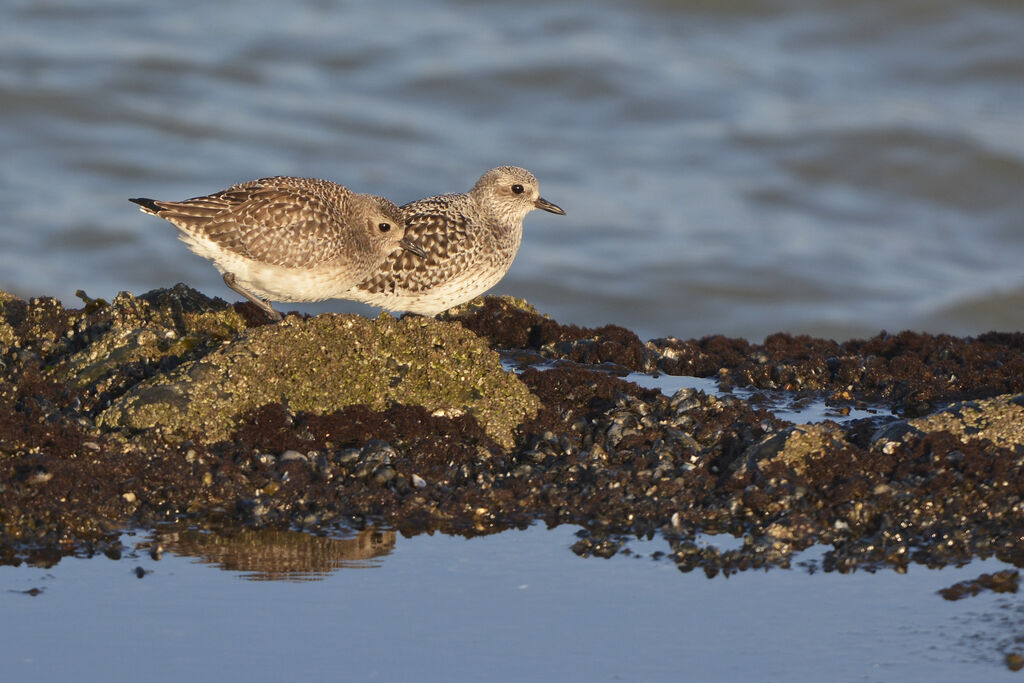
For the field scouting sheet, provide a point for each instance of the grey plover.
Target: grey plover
(470, 241)
(288, 239)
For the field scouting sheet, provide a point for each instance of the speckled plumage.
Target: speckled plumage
(470, 241)
(288, 239)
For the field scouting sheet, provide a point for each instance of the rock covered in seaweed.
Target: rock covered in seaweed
(322, 364)
(409, 447)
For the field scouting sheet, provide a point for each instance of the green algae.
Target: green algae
(141, 330)
(475, 305)
(12, 314)
(325, 363)
(7, 334)
(999, 420)
(795, 448)
(809, 442)
(221, 368)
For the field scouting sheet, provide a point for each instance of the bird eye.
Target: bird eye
(517, 188)
(384, 227)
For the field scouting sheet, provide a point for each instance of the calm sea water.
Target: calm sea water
(513, 607)
(831, 167)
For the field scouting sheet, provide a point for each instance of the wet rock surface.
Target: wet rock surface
(320, 365)
(1005, 581)
(173, 408)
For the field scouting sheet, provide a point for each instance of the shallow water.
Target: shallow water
(798, 407)
(515, 606)
(785, 405)
(742, 168)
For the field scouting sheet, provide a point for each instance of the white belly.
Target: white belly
(277, 283)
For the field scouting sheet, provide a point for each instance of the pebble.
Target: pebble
(291, 456)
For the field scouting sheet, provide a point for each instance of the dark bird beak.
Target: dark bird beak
(414, 248)
(542, 203)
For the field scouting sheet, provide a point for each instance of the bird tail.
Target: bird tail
(148, 205)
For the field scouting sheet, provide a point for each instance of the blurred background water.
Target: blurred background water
(736, 167)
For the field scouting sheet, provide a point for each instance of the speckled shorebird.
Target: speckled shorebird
(470, 241)
(288, 239)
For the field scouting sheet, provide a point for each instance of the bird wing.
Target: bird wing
(439, 226)
(268, 220)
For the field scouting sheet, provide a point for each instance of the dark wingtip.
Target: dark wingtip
(146, 203)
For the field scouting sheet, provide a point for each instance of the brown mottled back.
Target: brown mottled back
(289, 222)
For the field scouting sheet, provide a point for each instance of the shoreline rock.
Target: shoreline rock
(173, 408)
(322, 364)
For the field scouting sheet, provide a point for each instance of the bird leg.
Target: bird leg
(229, 280)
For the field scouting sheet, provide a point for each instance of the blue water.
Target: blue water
(516, 606)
